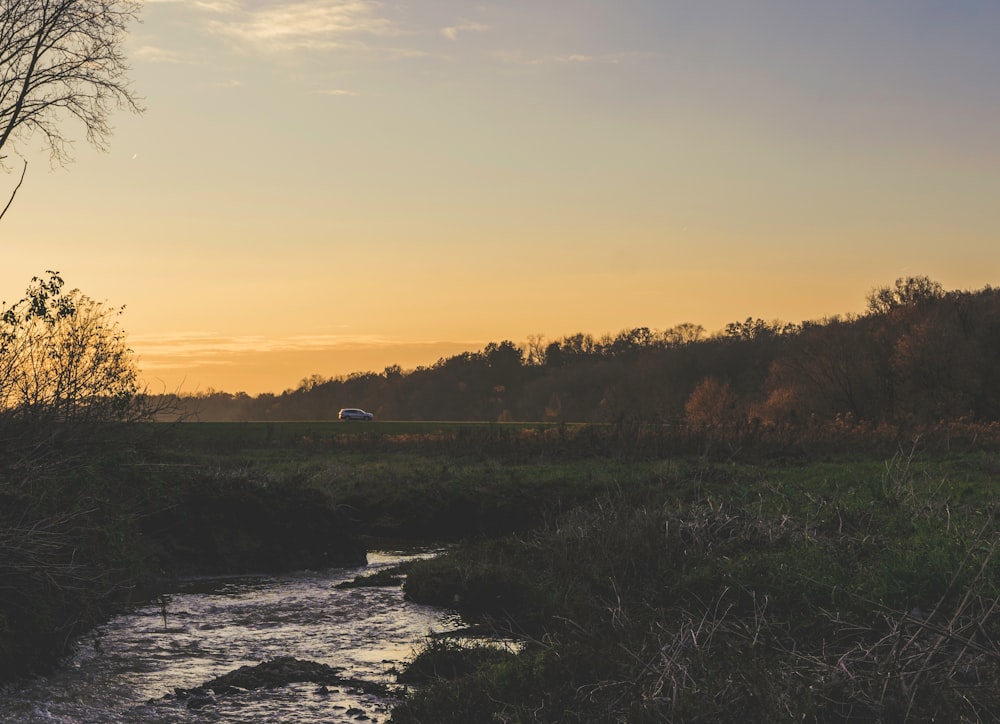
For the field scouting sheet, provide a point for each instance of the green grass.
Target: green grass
(852, 590)
(226, 435)
(445, 482)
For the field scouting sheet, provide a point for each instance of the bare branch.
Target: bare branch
(14, 192)
(59, 59)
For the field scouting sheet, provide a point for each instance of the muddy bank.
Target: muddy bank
(227, 527)
(80, 567)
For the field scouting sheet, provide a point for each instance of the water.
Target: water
(122, 670)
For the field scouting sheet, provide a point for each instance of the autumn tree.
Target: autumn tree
(946, 361)
(62, 60)
(827, 370)
(712, 403)
(891, 310)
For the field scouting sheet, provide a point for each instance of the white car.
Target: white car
(353, 413)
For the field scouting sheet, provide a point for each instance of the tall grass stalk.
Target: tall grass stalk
(815, 604)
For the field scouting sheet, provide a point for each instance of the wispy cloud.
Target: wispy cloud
(171, 351)
(520, 58)
(212, 6)
(154, 54)
(207, 345)
(308, 24)
(187, 362)
(452, 31)
(337, 92)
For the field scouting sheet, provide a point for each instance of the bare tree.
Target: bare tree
(62, 59)
(907, 292)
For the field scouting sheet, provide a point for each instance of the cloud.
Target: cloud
(519, 58)
(181, 362)
(308, 24)
(212, 6)
(168, 350)
(451, 32)
(154, 54)
(337, 92)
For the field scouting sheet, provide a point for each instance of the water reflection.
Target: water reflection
(121, 672)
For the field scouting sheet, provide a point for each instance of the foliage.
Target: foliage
(712, 402)
(64, 359)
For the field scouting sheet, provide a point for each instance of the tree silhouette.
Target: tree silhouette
(63, 358)
(907, 291)
(62, 59)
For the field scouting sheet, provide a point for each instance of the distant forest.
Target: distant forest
(917, 355)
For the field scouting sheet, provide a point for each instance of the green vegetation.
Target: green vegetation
(846, 590)
(445, 658)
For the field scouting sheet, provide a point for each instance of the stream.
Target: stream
(121, 671)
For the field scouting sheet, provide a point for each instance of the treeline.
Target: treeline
(917, 355)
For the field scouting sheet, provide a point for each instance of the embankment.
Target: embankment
(73, 550)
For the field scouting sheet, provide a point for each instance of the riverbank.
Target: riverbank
(265, 647)
(104, 527)
(637, 567)
(859, 590)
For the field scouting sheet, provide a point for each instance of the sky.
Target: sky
(328, 186)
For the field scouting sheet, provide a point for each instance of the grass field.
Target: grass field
(857, 589)
(250, 432)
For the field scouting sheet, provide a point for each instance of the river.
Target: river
(122, 671)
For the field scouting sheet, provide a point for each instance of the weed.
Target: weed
(817, 603)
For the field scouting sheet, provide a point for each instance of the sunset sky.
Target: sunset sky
(326, 186)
